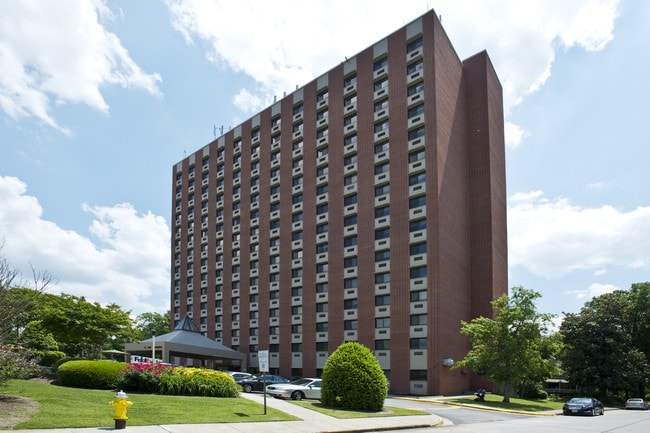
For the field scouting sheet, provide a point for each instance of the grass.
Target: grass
(496, 401)
(347, 414)
(62, 407)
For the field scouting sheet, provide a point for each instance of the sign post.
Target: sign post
(263, 360)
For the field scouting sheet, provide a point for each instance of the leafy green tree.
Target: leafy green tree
(602, 342)
(512, 348)
(83, 328)
(148, 323)
(353, 379)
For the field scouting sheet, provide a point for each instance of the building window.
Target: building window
(382, 256)
(414, 44)
(382, 190)
(415, 179)
(382, 234)
(378, 85)
(416, 133)
(382, 278)
(322, 307)
(350, 241)
(382, 211)
(418, 296)
(381, 126)
(349, 80)
(350, 220)
(322, 248)
(350, 283)
(350, 304)
(418, 319)
(322, 327)
(418, 343)
(416, 156)
(380, 64)
(416, 249)
(382, 300)
(414, 67)
(417, 202)
(420, 375)
(350, 325)
(418, 225)
(382, 322)
(382, 168)
(418, 272)
(350, 262)
(322, 288)
(382, 344)
(350, 199)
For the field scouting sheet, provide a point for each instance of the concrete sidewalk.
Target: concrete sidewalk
(311, 422)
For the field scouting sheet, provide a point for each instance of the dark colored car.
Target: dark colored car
(583, 406)
(256, 383)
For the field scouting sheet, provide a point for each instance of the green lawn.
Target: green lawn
(62, 407)
(496, 401)
(346, 414)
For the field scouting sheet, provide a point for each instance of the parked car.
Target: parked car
(636, 403)
(256, 383)
(296, 390)
(583, 406)
(238, 375)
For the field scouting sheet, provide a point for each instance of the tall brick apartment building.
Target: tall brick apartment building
(368, 205)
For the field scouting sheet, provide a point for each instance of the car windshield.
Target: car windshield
(301, 381)
(580, 400)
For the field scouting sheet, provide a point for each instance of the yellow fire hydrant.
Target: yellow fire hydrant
(120, 403)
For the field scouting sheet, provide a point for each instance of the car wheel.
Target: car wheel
(248, 388)
(297, 395)
(593, 412)
(602, 411)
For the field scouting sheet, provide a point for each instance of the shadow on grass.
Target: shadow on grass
(516, 404)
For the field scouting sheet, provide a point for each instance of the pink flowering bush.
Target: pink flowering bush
(142, 377)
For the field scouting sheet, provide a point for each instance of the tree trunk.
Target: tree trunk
(506, 392)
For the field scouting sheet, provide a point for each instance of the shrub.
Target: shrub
(17, 364)
(141, 377)
(49, 357)
(353, 379)
(90, 374)
(198, 382)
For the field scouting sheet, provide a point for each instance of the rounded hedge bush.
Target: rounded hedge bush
(353, 379)
(90, 374)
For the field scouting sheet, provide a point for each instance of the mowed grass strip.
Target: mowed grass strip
(347, 414)
(62, 407)
(518, 404)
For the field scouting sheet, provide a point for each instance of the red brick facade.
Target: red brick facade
(368, 205)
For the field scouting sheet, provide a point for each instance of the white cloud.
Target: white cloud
(552, 238)
(60, 53)
(593, 291)
(285, 43)
(127, 265)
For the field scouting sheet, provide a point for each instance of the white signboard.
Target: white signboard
(263, 359)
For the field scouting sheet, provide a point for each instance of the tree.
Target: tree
(18, 295)
(603, 342)
(512, 348)
(148, 323)
(82, 327)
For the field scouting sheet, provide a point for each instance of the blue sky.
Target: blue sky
(98, 100)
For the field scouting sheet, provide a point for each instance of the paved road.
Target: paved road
(463, 420)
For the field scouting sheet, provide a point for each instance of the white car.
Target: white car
(296, 390)
(636, 403)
